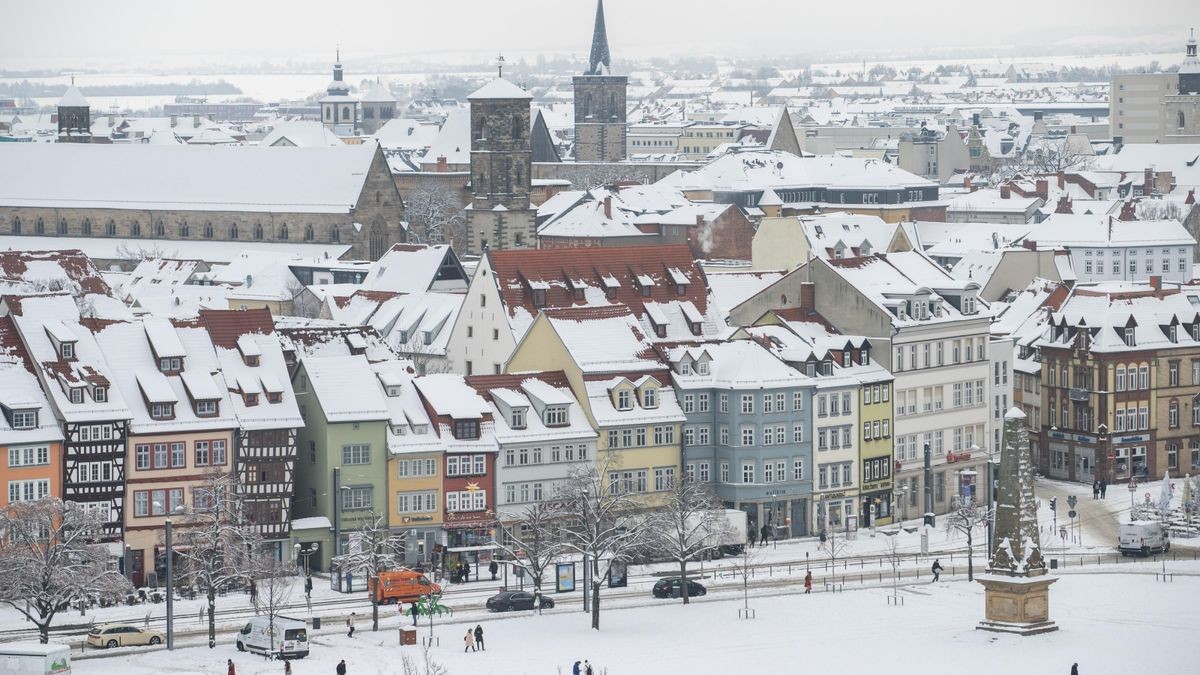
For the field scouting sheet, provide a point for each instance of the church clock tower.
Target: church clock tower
(600, 115)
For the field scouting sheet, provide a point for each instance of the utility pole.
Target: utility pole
(930, 519)
(170, 587)
(337, 524)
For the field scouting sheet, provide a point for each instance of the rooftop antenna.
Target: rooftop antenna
(500, 65)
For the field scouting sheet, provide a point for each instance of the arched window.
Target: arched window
(258, 231)
(110, 228)
(16, 225)
(377, 242)
(135, 230)
(335, 236)
(308, 232)
(612, 105)
(518, 129)
(184, 230)
(159, 229)
(327, 113)
(477, 129)
(587, 105)
(1181, 119)
(283, 233)
(346, 113)
(233, 233)
(378, 196)
(62, 226)
(39, 227)
(87, 226)
(208, 231)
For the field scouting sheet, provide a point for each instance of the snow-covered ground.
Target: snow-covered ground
(851, 632)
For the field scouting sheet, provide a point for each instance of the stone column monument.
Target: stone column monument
(1016, 588)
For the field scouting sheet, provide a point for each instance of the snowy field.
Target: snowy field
(851, 632)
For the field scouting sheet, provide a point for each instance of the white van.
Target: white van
(291, 633)
(1143, 537)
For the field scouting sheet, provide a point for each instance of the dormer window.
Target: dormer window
(250, 398)
(393, 391)
(577, 292)
(685, 367)
(650, 397)
(827, 367)
(864, 356)
(398, 429)
(556, 416)
(539, 297)
(680, 289)
(170, 365)
(1173, 333)
(645, 291)
(162, 411)
(702, 367)
(846, 358)
(466, 429)
(66, 350)
(517, 418)
(24, 419)
(252, 360)
(624, 400)
(206, 408)
(76, 394)
(810, 369)
(1130, 341)
(100, 394)
(274, 397)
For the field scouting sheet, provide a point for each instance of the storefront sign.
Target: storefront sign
(1138, 438)
(417, 519)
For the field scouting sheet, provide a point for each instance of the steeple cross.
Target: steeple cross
(500, 65)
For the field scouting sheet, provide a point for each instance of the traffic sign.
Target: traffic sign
(1071, 513)
(1071, 501)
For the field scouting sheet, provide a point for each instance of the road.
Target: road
(1098, 519)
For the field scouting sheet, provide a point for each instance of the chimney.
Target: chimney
(1037, 115)
(608, 206)
(1043, 189)
(1005, 192)
(196, 121)
(975, 119)
(1148, 181)
(1191, 198)
(1031, 245)
(967, 184)
(1156, 282)
(699, 220)
(1118, 143)
(1062, 181)
(1064, 205)
(53, 118)
(1127, 212)
(808, 295)
(212, 117)
(442, 165)
(174, 120)
(1073, 129)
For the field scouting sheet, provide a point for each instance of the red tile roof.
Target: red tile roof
(75, 265)
(10, 343)
(562, 269)
(225, 326)
(484, 384)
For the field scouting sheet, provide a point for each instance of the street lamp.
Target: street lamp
(170, 575)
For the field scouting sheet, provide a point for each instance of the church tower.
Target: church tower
(1182, 110)
(74, 117)
(600, 114)
(339, 109)
(499, 215)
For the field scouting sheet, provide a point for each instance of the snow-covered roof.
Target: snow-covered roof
(301, 134)
(453, 141)
(242, 178)
(346, 388)
(604, 339)
(73, 98)
(499, 88)
(736, 364)
(20, 390)
(450, 395)
(1106, 315)
(756, 170)
(163, 339)
(1078, 230)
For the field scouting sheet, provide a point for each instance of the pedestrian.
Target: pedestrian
(937, 570)
(350, 624)
(576, 669)
(493, 568)
(253, 591)
(1074, 669)
(479, 637)
(753, 536)
(587, 668)
(308, 588)
(537, 600)
(808, 582)
(231, 670)
(1103, 488)
(413, 609)
(469, 641)
(765, 530)
(341, 667)
(287, 668)
(1095, 489)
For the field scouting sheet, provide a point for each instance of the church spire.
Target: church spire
(600, 55)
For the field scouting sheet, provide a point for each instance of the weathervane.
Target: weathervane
(500, 65)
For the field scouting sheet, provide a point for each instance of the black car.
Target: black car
(672, 588)
(510, 600)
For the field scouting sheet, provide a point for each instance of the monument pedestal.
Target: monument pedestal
(1017, 605)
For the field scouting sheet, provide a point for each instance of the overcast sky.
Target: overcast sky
(86, 33)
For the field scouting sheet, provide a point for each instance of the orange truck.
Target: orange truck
(401, 586)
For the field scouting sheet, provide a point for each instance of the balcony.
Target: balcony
(1077, 394)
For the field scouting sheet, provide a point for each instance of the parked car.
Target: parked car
(111, 635)
(289, 639)
(403, 585)
(509, 600)
(672, 588)
(1143, 537)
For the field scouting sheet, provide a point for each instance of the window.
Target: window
(747, 435)
(689, 403)
(822, 406)
(702, 403)
(724, 431)
(1129, 337)
(724, 398)
(1173, 414)
(650, 397)
(357, 453)
(798, 400)
(624, 400)
(747, 404)
(1120, 377)
(466, 429)
(356, 498)
(1143, 377)
(702, 472)
(206, 408)
(178, 455)
(664, 478)
(747, 472)
(28, 456)
(416, 502)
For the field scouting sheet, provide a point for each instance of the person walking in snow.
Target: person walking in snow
(469, 641)
(1103, 488)
(231, 670)
(350, 624)
(287, 668)
(479, 637)
(576, 669)
(493, 568)
(808, 582)
(341, 667)
(937, 570)
(587, 668)
(765, 530)
(413, 610)
(1095, 489)
(537, 600)
(1074, 669)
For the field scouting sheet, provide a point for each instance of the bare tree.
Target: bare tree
(304, 303)
(745, 569)
(1158, 209)
(833, 547)
(140, 252)
(598, 523)
(425, 358)
(274, 580)
(436, 214)
(535, 541)
(50, 556)
(373, 549)
(425, 665)
(216, 542)
(964, 520)
(895, 558)
(690, 523)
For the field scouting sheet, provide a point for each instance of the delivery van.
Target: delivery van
(35, 659)
(403, 585)
(1143, 537)
(290, 634)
